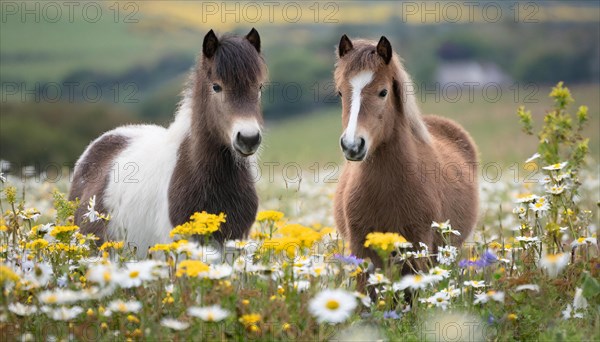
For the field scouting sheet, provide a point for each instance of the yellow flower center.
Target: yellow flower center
(553, 258)
(134, 274)
(210, 317)
(332, 304)
(418, 278)
(122, 307)
(440, 299)
(51, 299)
(106, 276)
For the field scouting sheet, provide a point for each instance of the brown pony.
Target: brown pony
(403, 170)
(150, 178)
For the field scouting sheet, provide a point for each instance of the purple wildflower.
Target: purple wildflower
(350, 259)
(486, 259)
(391, 315)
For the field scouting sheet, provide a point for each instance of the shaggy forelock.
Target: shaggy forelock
(363, 57)
(237, 62)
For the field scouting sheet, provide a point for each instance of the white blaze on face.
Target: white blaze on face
(246, 127)
(358, 82)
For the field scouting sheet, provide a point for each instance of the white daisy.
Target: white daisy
(440, 272)
(445, 228)
(414, 282)
(520, 211)
(452, 291)
(475, 283)
(332, 306)
(554, 167)
(555, 189)
(539, 207)
(218, 271)
(482, 298)
(301, 285)
(213, 313)
(38, 274)
(554, 263)
(124, 307)
(579, 305)
(447, 255)
(363, 298)
(174, 324)
(528, 240)
(101, 273)
(439, 300)
(60, 297)
(529, 287)
(92, 215)
(22, 310)
(526, 198)
(377, 279)
(533, 157)
(583, 241)
(64, 313)
(134, 273)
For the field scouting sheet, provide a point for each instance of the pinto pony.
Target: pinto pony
(403, 170)
(150, 178)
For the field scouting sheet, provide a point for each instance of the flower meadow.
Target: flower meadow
(531, 269)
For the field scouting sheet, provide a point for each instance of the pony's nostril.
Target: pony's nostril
(249, 141)
(361, 146)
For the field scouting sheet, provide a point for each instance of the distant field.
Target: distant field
(494, 126)
(142, 32)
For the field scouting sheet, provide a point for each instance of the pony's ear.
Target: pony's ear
(210, 44)
(254, 39)
(384, 49)
(345, 46)
(398, 103)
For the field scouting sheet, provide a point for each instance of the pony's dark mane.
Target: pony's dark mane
(238, 63)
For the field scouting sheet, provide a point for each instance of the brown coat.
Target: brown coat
(417, 170)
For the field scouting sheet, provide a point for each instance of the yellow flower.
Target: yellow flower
(269, 215)
(250, 319)
(7, 274)
(112, 245)
(3, 227)
(199, 224)
(305, 236)
(191, 268)
(37, 244)
(168, 247)
(385, 242)
(60, 230)
(133, 319)
(512, 317)
(257, 235)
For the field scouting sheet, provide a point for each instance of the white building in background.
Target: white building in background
(470, 72)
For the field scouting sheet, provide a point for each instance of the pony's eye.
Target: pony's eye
(260, 87)
(383, 93)
(217, 88)
(339, 93)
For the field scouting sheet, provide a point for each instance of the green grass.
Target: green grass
(494, 127)
(47, 52)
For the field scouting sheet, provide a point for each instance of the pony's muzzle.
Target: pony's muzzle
(247, 143)
(354, 150)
